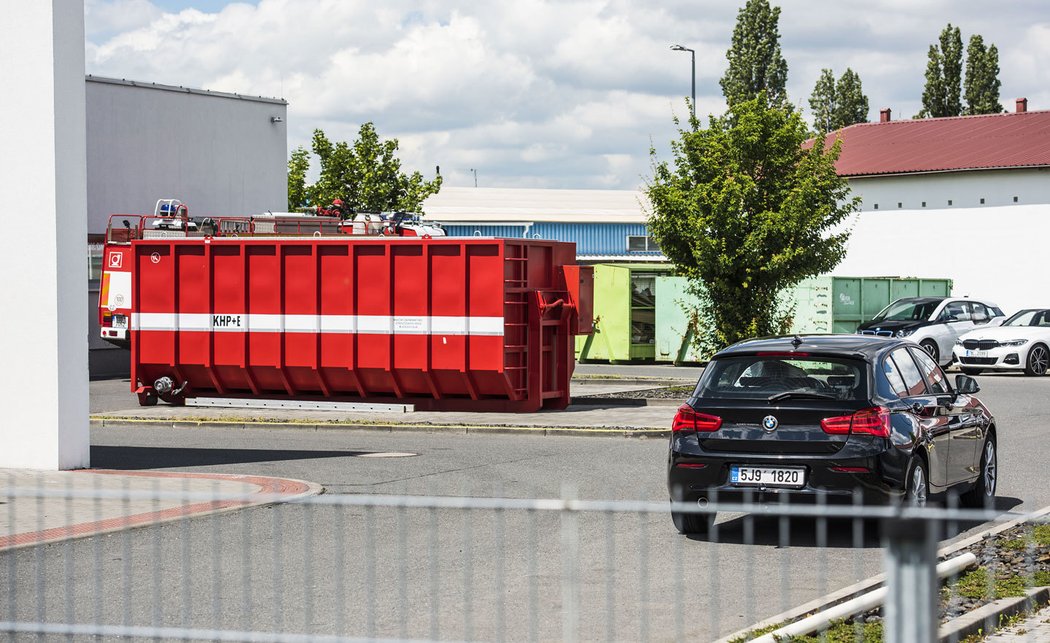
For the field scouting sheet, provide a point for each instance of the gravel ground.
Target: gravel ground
(662, 393)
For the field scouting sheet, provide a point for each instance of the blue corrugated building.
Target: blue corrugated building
(605, 225)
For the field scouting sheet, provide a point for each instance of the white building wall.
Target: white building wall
(43, 381)
(221, 154)
(953, 190)
(995, 253)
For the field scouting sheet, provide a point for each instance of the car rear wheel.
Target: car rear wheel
(983, 490)
(917, 488)
(972, 371)
(930, 347)
(692, 523)
(1038, 361)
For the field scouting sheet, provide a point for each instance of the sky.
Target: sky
(536, 93)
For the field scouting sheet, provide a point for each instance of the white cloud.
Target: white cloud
(565, 93)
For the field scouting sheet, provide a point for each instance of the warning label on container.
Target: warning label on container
(226, 321)
(410, 325)
(116, 260)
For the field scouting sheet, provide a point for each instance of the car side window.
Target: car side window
(980, 313)
(893, 377)
(913, 382)
(935, 378)
(956, 311)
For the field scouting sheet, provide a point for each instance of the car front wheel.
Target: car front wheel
(1038, 361)
(984, 489)
(917, 488)
(930, 347)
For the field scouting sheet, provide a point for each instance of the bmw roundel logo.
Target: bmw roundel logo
(770, 423)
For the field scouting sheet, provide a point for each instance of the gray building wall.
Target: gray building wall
(220, 154)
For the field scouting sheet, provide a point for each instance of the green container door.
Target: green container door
(813, 306)
(935, 288)
(674, 309)
(624, 312)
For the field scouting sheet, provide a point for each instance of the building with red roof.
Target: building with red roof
(933, 163)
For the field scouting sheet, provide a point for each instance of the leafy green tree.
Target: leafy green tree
(851, 105)
(755, 62)
(838, 104)
(822, 102)
(982, 78)
(366, 175)
(943, 91)
(298, 165)
(744, 211)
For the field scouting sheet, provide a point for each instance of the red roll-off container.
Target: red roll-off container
(443, 323)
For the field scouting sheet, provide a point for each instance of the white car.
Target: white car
(1021, 343)
(933, 322)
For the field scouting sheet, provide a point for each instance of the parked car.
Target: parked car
(1021, 343)
(933, 322)
(834, 415)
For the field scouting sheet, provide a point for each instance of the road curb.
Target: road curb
(288, 489)
(467, 429)
(987, 618)
(862, 587)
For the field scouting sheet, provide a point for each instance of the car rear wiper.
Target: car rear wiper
(809, 395)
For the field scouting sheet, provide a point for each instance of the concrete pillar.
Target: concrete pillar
(43, 258)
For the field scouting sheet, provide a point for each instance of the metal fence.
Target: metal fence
(368, 567)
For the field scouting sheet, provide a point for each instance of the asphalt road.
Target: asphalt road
(454, 574)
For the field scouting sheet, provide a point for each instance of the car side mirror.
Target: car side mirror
(966, 385)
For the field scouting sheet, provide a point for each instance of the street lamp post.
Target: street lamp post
(692, 55)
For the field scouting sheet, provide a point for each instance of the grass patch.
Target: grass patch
(1017, 544)
(1041, 578)
(754, 634)
(974, 584)
(842, 632)
(1041, 535)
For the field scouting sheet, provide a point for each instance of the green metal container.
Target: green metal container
(856, 300)
(624, 312)
(822, 304)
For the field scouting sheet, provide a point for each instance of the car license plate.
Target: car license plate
(767, 476)
(976, 353)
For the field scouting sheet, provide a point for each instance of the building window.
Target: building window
(1015, 199)
(924, 204)
(641, 244)
(899, 205)
(982, 200)
(876, 206)
(949, 201)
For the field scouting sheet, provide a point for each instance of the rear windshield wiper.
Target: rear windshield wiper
(807, 395)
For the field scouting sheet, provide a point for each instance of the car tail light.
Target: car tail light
(874, 421)
(686, 419)
(836, 425)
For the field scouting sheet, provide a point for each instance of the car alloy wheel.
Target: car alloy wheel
(990, 470)
(917, 489)
(1038, 360)
(930, 347)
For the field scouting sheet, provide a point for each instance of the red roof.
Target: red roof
(945, 144)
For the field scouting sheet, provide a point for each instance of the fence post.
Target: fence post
(570, 561)
(910, 612)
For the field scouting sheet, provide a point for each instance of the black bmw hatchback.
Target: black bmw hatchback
(830, 415)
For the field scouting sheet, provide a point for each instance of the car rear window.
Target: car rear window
(760, 376)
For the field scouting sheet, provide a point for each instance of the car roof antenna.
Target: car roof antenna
(797, 341)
